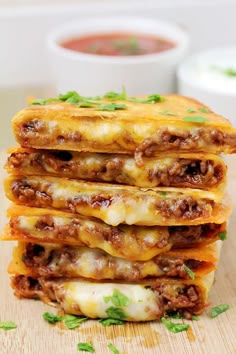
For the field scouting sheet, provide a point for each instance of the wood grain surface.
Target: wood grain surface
(35, 336)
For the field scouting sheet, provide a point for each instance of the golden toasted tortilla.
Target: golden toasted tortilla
(174, 123)
(126, 241)
(55, 260)
(173, 169)
(148, 300)
(115, 204)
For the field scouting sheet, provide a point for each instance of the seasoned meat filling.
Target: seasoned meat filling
(169, 171)
(71, 261)
(127, 240)
(44, 193)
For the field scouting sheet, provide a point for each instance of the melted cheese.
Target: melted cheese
(89, 298)
(130, 242)
(116, 204)
(122, 168)
(72, 262)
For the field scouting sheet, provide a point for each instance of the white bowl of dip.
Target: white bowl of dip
(210, 77)
(91, 73)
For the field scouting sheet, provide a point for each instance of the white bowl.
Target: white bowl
(203, 77)
(91, 74)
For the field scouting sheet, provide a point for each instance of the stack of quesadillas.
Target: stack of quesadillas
(118, 203)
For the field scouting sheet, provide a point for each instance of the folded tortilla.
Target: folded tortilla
(174, 169)
(55, 260)
(175, 123)
(116, 204)
(148, 300)
(125, 241)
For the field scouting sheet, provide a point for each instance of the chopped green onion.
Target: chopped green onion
(189, 271)
(217, 310)
(87, 347)
(7, 325)
(174, 327)
(195, 119)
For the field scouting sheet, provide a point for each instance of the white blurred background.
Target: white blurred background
(24, 24)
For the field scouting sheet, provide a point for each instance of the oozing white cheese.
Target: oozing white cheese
(89, 297)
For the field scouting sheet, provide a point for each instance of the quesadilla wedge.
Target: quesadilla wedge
(115, 204)
(126, 241)
(55, 260)
(148, 300)
(174, 169)
(130, 126)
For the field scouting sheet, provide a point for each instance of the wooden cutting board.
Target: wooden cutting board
(35, 336)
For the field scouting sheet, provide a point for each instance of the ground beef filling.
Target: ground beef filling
(191, 236)
(189, 173)
(65, 262)
(183, 207)
(185, 299)
(29, 195)
(121, 236)
(36, 130)
(182, 172)
(197, 139)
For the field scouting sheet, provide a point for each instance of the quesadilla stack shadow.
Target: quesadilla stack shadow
(118, 204)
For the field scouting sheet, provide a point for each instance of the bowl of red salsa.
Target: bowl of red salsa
(119, 44)
(96, 55)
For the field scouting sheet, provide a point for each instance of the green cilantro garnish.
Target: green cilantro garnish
(222, 235)
(73, 97)
(87, 347)
(229, 72)
(52, 318)
(168, 113)
(191, 110)
(203, 110)
(110, 321)
(115, 95)
(72, 322)
(113, 348)
(117, 298)
(111, 106)
(217, 310)
(7, 325)
(68, 95)
(40, 102)
(133, 46)
(189, 271)
(163, 194)
(225, 71)
(195, 318)
(174, 327)
(116, 312)
(127, 47)
(150, 99)
(195, 119)
(85, 105)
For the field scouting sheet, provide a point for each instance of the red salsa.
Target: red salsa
(118, 44)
